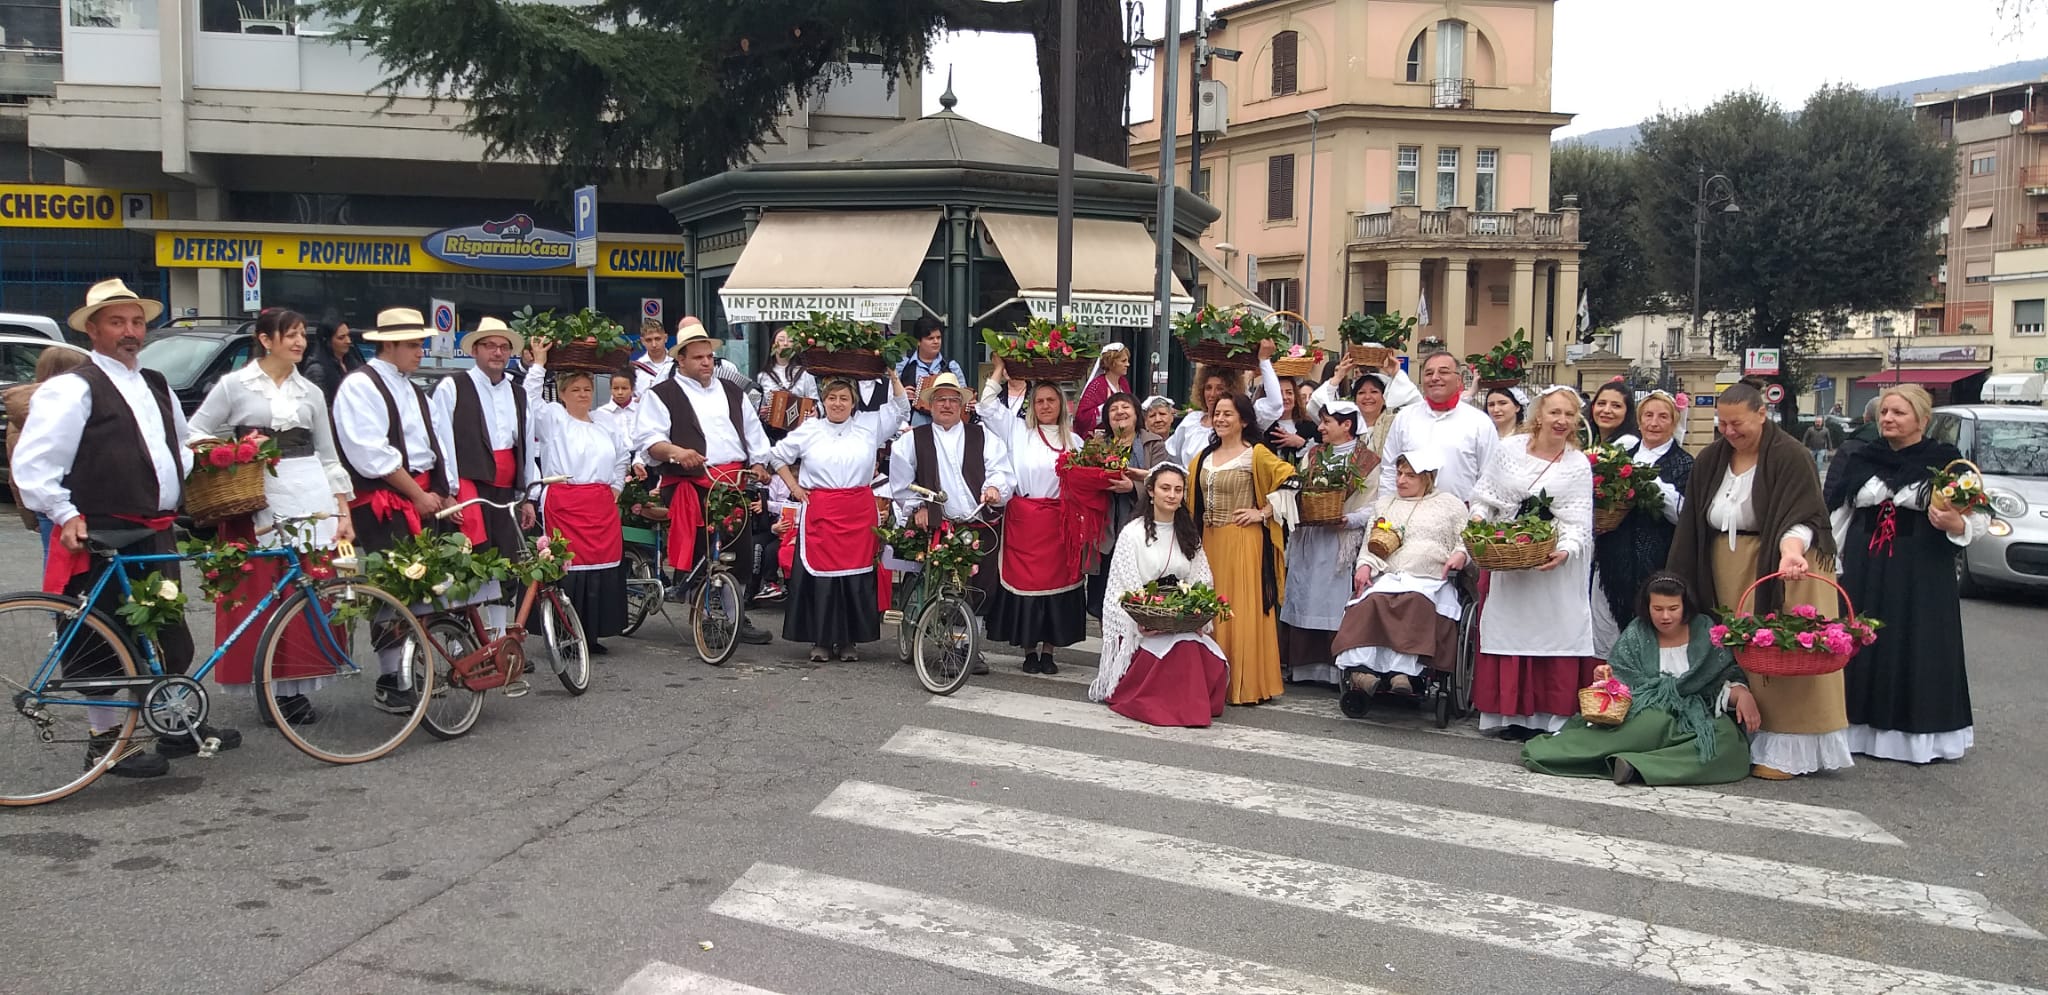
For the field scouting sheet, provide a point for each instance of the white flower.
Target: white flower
(167, 591)
(442, 587)
(414, 570)
(547, 551)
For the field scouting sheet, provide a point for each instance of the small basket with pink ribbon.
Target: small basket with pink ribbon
(1605, 702)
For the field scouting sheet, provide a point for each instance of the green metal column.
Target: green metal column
(962, 344)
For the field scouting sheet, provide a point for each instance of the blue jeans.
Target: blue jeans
(45, 527)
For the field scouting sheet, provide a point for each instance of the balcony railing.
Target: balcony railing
(1451, 91)
(30, 72)
(1412, 223)
(2034, 180)
(2032, 235)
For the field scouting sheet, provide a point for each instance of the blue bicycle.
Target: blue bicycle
(316, 674)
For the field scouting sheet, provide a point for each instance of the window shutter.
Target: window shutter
(1280, 187)
(1286, 45)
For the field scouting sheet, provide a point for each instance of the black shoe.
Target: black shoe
(1030, 663)
(136, 764)
(183, 746)
(979, 666)
(750, 634)
(390, 696)
(596, 648)
(295, 708)
(1519, 734)
(1624, 771)
(1045, 664)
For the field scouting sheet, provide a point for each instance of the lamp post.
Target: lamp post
(1700, 206)
(1162, 320)
(1308, 249)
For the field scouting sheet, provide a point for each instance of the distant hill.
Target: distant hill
(1621, 138)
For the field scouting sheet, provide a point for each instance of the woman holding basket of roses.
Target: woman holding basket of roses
(1038, 601)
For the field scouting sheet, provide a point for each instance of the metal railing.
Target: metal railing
(30, 72)
(1450, 91)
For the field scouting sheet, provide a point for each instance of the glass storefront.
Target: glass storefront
(357, 297)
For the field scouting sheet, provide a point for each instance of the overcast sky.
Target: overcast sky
(1620, 61)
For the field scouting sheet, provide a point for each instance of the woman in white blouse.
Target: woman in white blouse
(271, 398)
(1162, 679)
(584, 446)
(1535, 627)
(1038, 601)
(829, 466)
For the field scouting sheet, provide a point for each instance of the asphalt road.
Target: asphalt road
(812, 829)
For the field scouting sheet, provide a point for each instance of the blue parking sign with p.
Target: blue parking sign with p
(586, 212)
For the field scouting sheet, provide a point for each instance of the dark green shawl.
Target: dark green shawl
(1690, 696)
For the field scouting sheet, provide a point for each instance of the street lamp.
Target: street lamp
(1700, 206)
(1308, 250)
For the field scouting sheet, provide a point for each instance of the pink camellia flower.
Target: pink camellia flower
(1868, 638)
(1839, 643)
(1030, 343)
(1764, 637)
(1805, 640)
(1524, 539)
(1598, 480)
(221, 457)
(245, 451)
(1717, 633)
(1627, 470)
(1806, 611)
(1631, 494)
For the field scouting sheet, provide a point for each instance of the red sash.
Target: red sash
(838, 531)
(588, 516)
(60, 565)
(1038, 557)
(385, 502)
(686, 510)
(507, 471)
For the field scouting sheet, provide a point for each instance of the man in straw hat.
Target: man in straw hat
(77, 463)
(480, 423)
(387, 441)
(699, 428)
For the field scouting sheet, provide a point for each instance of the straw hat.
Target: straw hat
(944, 381)
(108, 293)
(492, 328)
(399, 324)
(691, 330)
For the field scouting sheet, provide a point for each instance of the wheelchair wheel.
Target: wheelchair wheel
(1468, 663)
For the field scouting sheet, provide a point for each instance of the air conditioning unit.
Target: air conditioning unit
(1212, 108)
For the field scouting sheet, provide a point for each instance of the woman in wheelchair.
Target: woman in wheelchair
(1404, 620)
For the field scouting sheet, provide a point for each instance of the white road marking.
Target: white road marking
(1749, 812)
(1582, 937)
(661, 978)
(1737, 874)
(1048, 953)
(1316, 704)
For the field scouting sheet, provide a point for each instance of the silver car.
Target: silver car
(2010, 444)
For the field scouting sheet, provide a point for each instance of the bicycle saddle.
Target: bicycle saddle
(108, 542)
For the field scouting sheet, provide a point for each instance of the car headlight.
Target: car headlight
(1999, 527)
(2007, 504)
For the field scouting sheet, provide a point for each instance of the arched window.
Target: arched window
(1415, 59)
(1450, 49)
(1286, 49)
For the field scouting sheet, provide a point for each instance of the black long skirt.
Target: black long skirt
(1025, 620)
(830, 611)
(1911, 679)
(599, 597)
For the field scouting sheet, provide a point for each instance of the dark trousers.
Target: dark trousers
(89, 657)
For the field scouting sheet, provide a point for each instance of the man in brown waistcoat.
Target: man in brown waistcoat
(480, 423)
(385, 437)
(101, 453)
(966, 462)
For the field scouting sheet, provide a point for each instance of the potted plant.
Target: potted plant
(1227, 339)
(1374, 338)
(841, 347)
(581, 340)
(1044, 350)
(1620, 486)
(1506, 364)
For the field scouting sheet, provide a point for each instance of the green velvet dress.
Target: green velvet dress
(1672, 735)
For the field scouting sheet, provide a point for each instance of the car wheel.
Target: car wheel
(1966, 586)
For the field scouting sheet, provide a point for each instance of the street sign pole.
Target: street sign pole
(586, 239)
(1169, 121)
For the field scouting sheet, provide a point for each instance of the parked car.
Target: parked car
(35, 326)
(18, 355)
(2010, 445)
(194, 358)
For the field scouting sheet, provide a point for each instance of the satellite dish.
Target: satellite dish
(2016, 118)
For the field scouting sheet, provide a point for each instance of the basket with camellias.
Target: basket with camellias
(1620, 486)
(1330, 480)
(1227, 339)
(1298, 361)
(582, 340)
(1506, 364)
(1372, 339)
(227, 477)
(840, 347)
(1175, 607)
(1044, 350)
(1519, 543)
(1796, 642)
(1958, 491)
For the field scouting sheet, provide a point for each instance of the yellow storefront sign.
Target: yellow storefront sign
(388, 254)
(45, 205)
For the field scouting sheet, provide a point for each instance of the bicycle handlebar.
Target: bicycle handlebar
(453, 509)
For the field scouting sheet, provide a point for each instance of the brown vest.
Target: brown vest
(973, 465)
(473, 460)
(437, 479)
(683, 428)
(111, 473)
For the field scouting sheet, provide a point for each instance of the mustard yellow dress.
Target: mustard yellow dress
(1238, 557)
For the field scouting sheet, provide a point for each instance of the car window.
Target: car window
(18, 362)
(1946, 428)
(11, 328)
(2012, 448)
(180, 358)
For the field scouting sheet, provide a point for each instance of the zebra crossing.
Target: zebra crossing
(1091, 788)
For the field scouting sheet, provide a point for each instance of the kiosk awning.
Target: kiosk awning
(1114, 267)
(1232, 286)
(856, 265)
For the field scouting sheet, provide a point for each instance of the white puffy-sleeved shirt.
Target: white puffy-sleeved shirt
(1731, 511)
(950, 444)
(721, 436)
(830, 454)
(249, 396)
(647, 373)
(1463, 438)
(500, 411)
(362, 424)
(587, 452)
(1913, 497)
(1673, 499)
(1538, 612)
(56, 421)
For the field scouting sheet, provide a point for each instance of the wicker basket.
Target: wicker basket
(1384, 543)
(858, 364)
(1295, 366)
(1779, 661)
(1934, 499)
(1601, 708)
(1217, 356)
(215, 495)
(585, 356)
(1498, 383)
(1170, 622)
(1055, 370)
(1606, 520)
(1323, 507)
(1511, 556)
(1371, 357)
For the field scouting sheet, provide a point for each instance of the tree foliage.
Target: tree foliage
(1839, 205)
(1612, 270)
(688, 88)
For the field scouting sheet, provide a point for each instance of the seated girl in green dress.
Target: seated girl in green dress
(1685, 688)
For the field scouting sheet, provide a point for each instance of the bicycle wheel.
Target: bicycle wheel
(324, 682)
(568, 650)
(948, 639)
(643, 589)
(452, 709)
(43, 738)
(715, 617)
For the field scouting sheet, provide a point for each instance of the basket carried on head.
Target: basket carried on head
(1218, 355)
(1323, 507)
(1370, 356)
(1602, 708)
(1054, 370)
(586, 357)
(1512, 555)
(1934, 499)
(1168, 622)
(1780, 661)
(1295, 366)
(1606, 520)
(216, 495)
(1497, 383)
(856, 364)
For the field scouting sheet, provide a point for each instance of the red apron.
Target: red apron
(588, 516)
(386, 502)
(301, 652)
(686, 510)
(837, 529)
(1038, 556)
(507, 472)
(60, 564)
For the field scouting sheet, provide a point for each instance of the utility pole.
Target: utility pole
(1195, 75)
(1063, 265)
(1162, 321)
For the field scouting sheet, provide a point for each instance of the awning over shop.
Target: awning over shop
(1925, 376)
(1233, 292)
(2014, 388)
(1115, 263)
(856, 265)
